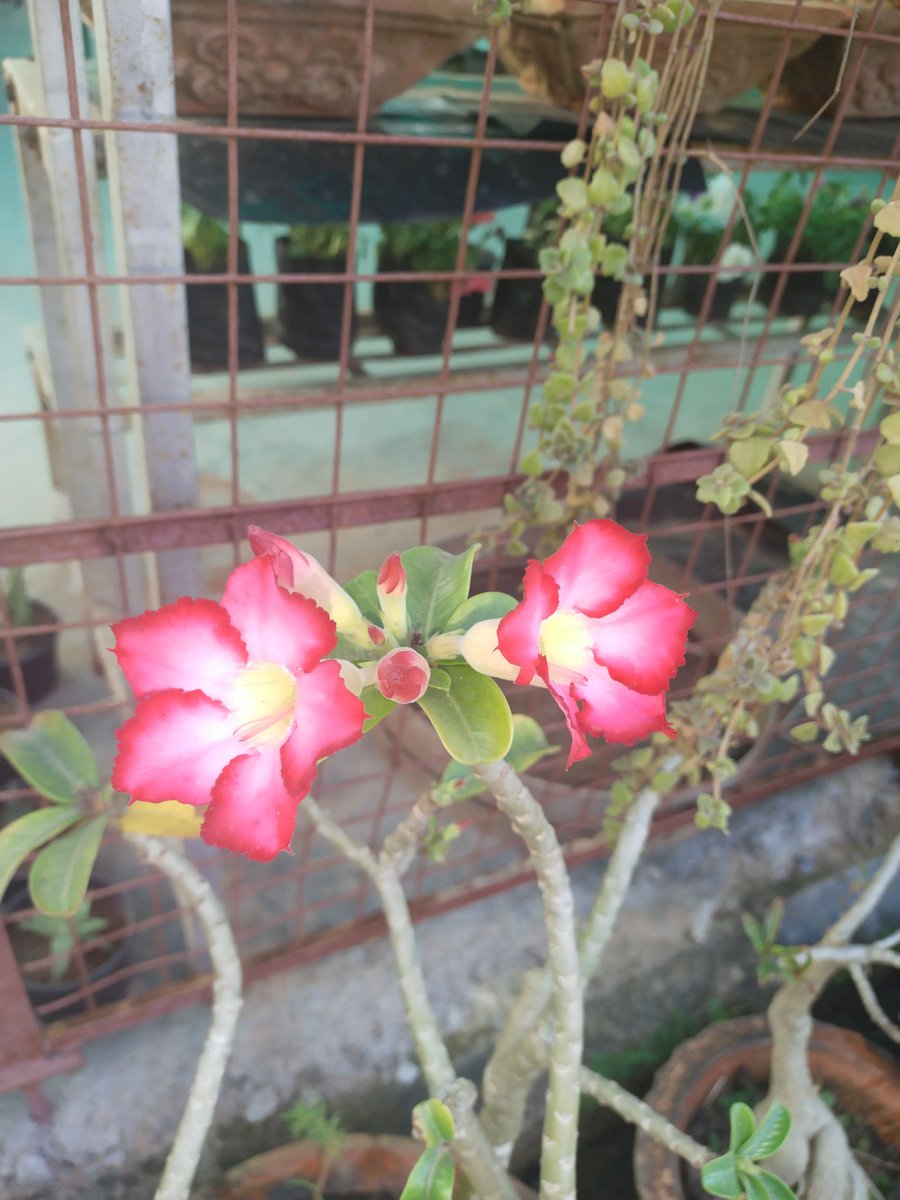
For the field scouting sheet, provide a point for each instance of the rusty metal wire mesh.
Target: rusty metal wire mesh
(372, 450)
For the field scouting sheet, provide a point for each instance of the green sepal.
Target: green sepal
(472, 719)
(59, 875)
(376, 705)
(720, 1178)
(432, 1177)
(437, 584)
(26, 833)
(53, 757)
(433, 1123)
(486, 606)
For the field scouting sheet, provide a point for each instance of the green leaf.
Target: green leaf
(531, 464)
(573, 193)
(743, 1125)
(439, 679)
(376, 705)
(770, 1134)
(529, 743)
(890, 428)
(431, 1178)
(720, 1178)
(60, 873)
(52, 756)
(26, 833)
(433, 1122)
(887, 458)
(473, 719)
(887, 219)
(363, 589)
(777, 1188)
(750, 455)
(486, 606)
(806, 731)
(752, 1186)
(437, 583)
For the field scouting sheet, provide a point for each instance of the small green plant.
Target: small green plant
(205, 237)
(318, 241)
(737, 1173)
(425, 246)
(832, 226)
(63, 933)
(775, 961)
(433, 1175)
(19, 607)
(314, 1123)
(701, 220)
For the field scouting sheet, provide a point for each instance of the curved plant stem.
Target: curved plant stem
(521, 1051)
(181, 1164)
(470, 1145)
(560, 1139)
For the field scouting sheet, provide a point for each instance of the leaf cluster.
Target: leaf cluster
(19, 606)
(204, 236)
(423, 246)
(832, 225)
(775, 961)
(319, 241)
(737, 1173)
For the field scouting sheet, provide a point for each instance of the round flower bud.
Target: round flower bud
(403, 675)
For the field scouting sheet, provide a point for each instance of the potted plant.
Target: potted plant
(829, 236)
(414, 314)
(310, 315)
(700, 222)
(35, 653)
(205, 240)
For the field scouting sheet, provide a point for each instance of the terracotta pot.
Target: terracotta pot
(304, 58)
(865, 1081)
(366, 1165)
(546, 48)
(811, 79)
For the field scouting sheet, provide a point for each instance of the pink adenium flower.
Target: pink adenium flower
(603, 638)
(235, 707)
(403, 675)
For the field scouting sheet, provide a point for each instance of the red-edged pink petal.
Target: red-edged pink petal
(186, 645)
(564, 696)
(276, 625)
(251, 810)
(328, 718)
(642, 643)
(174, 748)
(613, 711)
(519, 632)
(598, 566)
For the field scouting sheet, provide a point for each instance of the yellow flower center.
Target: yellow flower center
(262, 699)
(565, 639)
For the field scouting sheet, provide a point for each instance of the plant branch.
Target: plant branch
(871, 1005)
(560, 1138)
(400, 847)
(181, 1165)
(637, 1112)
(470, 1145)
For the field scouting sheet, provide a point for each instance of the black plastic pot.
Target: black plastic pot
(310, 315)
(207, 311)
(517, 302)
(36, 654)
(101, 961)
(804, 291)
(412, 314)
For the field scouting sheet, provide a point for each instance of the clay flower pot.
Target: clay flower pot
(304, 58)
(865, 1081)
(546, 48)
(365, 1165)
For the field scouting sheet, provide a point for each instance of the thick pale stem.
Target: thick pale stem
(631, 1109)
(521, 1051)
(181, 1164)
(471, 1147)
(560, 1139)
(400, 847)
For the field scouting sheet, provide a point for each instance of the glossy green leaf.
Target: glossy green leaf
(26, 833)
(437, 584)
(770, 1134)
(60, 873)
(486, 606)
(743, 1125)
(363, 589)
(777, 1188)
(376, 705)
(433, 1122)
(52, 756)
(472, 719)
(720, 1178)
(752, 1186)
(431, 1178)
(529, 745)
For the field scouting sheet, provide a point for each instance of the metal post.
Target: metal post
(137, 83)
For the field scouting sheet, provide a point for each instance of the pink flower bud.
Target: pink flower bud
(376, 635)
(391, 588)
(403, 675)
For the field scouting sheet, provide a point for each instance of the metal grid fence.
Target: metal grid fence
(162, 468)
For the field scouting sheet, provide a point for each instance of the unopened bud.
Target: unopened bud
(403, 675)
